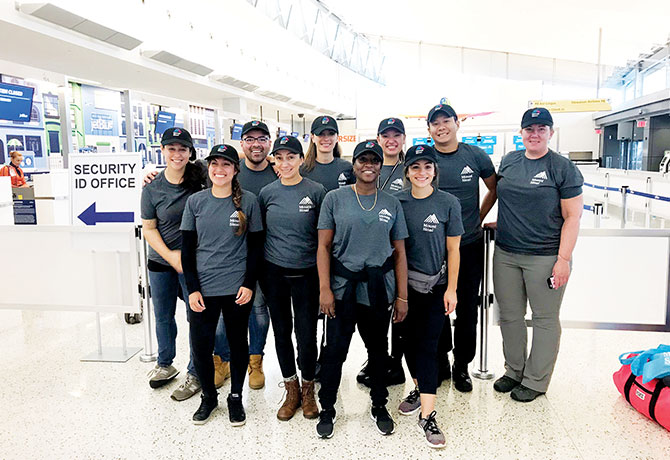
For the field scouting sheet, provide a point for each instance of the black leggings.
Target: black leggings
(421, 332)
(282, 287)
(203, 330)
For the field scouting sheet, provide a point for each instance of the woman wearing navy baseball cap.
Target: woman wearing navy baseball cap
(322, 161)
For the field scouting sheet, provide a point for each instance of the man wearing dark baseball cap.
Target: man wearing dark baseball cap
(461, 168)
(255, 124)
(537, 116)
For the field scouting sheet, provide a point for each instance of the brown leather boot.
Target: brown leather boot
(256, 376)
(292, 401)
(221, 371)
(309, 407)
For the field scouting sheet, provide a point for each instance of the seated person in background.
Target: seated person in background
(13, 170)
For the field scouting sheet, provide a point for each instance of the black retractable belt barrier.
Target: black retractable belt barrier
(486, 299)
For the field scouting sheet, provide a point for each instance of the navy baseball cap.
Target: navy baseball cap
(391, 123)
(255, 124)
(536, 116)
(224, 151)
(368, 147)
(420, 152)
(444, 109)
(289, 143)
(177, 136)
(320, 124)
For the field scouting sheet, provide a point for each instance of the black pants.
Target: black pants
(465, 325)
(372, 325)
(203, 329)
(419, 335)
(281, 286)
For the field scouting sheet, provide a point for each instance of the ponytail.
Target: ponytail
(237, 202)
(194, 180)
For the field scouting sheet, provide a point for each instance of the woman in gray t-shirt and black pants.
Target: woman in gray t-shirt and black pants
(222, 243)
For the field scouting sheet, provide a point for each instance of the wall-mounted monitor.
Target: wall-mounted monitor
(164, 120)
(16, 102)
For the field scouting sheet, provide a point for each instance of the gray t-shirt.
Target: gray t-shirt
(291, 213)
(459, 175)
(391, 179)
(221, 256)
(333, 175)
(529, 201)
(164, 202)
(362, 238)
(253, 181)
(429, 221)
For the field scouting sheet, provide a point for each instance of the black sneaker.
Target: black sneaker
(443, 370)
(326, 423)
(207, 406)
(461, 378)
(236, 413)
(384, 422)
(395, 374)
(505, 384)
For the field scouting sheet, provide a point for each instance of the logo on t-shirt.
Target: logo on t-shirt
(466, 174)
(396, 185)
(235, 219)
(305, 205)
(430, 223)
(341, 180)
(385, 215)
(538, 178)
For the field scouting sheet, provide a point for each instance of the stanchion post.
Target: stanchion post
(485, 301)
(597, 212)
(647, 205)
(624, 204)
(606, 197)
(149, 354)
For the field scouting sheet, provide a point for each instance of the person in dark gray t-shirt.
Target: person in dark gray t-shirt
(539, 210)
(391, 138)
(461, 167)
(322, 160)
(361, 253)
(434, 223)
(290, 208)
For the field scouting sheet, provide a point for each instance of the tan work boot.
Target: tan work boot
(256, 376)
(309, 407)
(292, 401)
(221, 371)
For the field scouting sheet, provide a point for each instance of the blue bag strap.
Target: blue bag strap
(625, 361)
(637, 366)
(656, 368)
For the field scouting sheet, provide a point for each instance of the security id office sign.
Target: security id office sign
(105, 188)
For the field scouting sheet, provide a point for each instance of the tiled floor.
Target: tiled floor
(52, 406)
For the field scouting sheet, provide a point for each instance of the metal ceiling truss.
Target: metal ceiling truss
(312, 22)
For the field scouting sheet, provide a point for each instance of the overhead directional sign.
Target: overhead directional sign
(105, 188)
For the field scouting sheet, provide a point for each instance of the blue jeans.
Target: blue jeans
(164, 290)
(259, 324)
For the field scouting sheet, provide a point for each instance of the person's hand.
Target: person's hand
(327, 303)
(560, 272)
(450, 301)
(175, 260)
(243, 295)
(151, 175)
(491, 225)
(196, 302)
(399, 310)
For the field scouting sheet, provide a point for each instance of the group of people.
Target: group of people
(393, 239)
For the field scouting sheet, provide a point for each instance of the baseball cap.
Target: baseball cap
(223, 151)
(443, 109)
(536, 116)
(391, 123)
(368, 147)
(178, 136)
(320, 124)
(419, 152)
(255, 124)
(289, 143)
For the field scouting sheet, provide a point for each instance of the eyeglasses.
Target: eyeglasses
(260, 139)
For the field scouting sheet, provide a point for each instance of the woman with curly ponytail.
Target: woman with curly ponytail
(222, 242)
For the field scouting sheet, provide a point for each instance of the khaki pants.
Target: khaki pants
(520, 279)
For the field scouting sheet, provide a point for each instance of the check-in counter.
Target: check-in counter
(52, 197)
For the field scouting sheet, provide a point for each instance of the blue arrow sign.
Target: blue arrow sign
(90, 216)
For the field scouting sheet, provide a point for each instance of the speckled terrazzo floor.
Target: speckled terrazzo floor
(52, 406)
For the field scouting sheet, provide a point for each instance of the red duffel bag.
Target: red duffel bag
(651, 399)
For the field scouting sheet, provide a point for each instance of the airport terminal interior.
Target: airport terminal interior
(90, 90)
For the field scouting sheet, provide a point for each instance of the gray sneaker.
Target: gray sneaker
(434, 437)
(411, 404)
(188, 388)
(160, 375)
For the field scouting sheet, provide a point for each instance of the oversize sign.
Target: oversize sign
(105, 188)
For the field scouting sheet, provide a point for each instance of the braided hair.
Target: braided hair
(237, 202)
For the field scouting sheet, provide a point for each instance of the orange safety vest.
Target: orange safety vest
(15, 173)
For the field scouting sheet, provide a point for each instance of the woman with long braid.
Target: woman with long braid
(221, 250)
